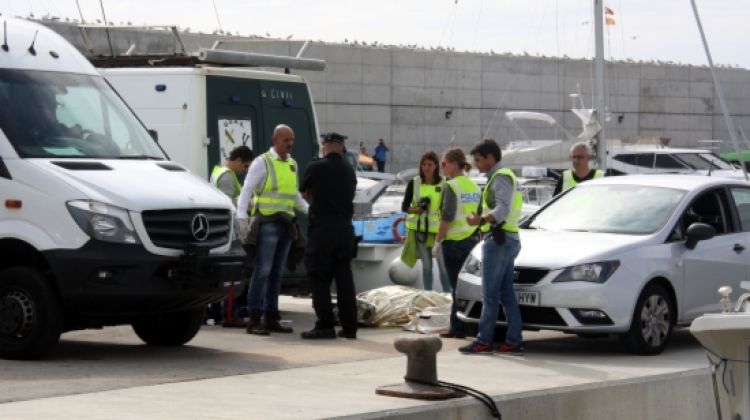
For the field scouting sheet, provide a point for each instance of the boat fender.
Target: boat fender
(394, 228)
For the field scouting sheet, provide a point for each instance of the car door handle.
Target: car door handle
(738, 248)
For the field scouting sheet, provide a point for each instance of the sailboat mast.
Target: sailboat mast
(719, 92)
(601, 144)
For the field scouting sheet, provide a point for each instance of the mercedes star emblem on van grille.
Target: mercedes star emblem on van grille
(199, 227)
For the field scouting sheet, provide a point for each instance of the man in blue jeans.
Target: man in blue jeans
(501, 203)
(272, 184)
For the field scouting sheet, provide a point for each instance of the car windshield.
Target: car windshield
(703, 161)
(627, 209)
(64, 115)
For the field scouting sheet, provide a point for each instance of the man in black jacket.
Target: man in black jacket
(329, 186)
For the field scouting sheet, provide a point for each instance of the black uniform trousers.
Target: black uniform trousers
(330, 246)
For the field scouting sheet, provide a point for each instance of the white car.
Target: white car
(630, 255)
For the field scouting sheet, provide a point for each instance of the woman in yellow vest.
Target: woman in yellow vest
(456, 238)
(422, 205)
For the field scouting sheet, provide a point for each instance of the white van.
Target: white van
(97, 226)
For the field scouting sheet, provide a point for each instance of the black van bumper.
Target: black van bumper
(106, 279)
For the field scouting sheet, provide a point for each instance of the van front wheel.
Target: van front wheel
(174, 329)
(31, 318)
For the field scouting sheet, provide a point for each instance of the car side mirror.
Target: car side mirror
(698, 232)
(154, 134)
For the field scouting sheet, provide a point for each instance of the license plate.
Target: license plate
(527, 298)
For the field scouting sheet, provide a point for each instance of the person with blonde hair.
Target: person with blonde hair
(455, 237)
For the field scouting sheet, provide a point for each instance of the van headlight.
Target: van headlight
(473, 266)
(591, 272)
(103, 222)
(235, 227)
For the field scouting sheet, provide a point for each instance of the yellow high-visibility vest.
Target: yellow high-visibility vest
(218, 171)
(514, 215)
(570, 182)
(467, 195)
(430, 219)
(279, 192)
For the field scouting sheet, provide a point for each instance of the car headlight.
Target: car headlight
(473, 266)
(103, 222)
(591, 272)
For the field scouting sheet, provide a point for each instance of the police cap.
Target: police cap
(333, 137)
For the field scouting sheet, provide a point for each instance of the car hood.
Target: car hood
(558, 249)
(137, 185)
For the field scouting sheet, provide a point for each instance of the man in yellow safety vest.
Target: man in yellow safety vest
(226, 178)
(272, 184)
(580, 156)
(499, 219)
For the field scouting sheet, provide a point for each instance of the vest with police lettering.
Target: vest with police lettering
(467, 195)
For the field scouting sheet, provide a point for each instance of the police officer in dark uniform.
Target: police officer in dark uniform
(329, 185)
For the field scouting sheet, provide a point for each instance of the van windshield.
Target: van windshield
(628, 209)
(64, 115)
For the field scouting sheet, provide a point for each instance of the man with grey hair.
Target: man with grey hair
(580, 156)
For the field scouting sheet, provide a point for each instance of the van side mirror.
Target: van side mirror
(154, 135)
(698, 232)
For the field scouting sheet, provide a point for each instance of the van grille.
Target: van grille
(174, 228)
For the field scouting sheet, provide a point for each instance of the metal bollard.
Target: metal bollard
(421, 381)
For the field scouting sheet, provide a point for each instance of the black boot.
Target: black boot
(272, 323)
(256, 325)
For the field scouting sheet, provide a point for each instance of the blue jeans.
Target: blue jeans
(497, 288)
(454, 254)
(425, 254)
(273, 246)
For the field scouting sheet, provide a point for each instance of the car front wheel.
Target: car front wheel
(652, 323)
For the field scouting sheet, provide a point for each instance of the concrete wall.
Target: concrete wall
(421, 99)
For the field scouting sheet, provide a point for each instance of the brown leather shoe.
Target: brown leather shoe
(256, 325)
(272, 323)
(450, 334)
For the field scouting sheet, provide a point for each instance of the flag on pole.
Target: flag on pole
(609, 16)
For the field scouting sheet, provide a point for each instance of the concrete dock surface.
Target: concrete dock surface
(227, 374)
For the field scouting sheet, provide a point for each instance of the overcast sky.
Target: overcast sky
(644, 30)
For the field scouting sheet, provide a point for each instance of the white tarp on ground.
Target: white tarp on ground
(392, 306)
(430, 320)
